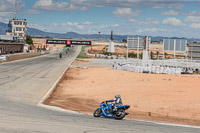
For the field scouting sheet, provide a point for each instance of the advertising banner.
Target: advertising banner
(69, 42)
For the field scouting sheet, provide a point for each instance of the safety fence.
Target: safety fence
(153, 69)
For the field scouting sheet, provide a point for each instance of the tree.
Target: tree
(29, 40)
(151, 54)
(166, 55)
(157, 54)
(132, 55)
(44, 48)
(141, 55)
(124, 40)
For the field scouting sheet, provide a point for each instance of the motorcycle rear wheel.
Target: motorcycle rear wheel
(97, 113)
(120, 114)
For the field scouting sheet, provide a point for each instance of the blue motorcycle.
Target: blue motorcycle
(106, 110)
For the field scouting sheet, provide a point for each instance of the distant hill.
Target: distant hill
(72, 35)
(3, 28)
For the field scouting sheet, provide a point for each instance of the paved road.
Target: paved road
(24, 83)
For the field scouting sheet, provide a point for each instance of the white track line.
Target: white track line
(166, 124)
(54, 85)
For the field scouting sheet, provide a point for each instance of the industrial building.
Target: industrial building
(194, 51)
(11, 47)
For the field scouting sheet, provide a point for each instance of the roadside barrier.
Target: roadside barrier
(170, 66)
(153, 69)
(2, 58)
(103, 56)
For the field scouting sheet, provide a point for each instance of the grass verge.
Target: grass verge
(82, 54)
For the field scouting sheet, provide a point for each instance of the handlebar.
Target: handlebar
(104, 102)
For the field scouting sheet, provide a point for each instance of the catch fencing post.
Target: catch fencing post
(91, 48)
(46, 46)
(127, 51)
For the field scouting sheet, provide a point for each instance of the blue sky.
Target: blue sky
(180, 18)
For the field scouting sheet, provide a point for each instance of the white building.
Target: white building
(194, 51)
(17, 28)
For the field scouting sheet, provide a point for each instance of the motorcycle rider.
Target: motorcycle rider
(117, 100)
(60, 55)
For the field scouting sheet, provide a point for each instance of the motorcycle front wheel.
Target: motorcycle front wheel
(97, 113)
(120, 114)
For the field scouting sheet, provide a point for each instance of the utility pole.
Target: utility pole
(111, 36)
(15, 9)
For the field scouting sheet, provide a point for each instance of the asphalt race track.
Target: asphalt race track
(24, 83)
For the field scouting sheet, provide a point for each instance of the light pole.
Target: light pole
(99, 35)
(46, 41)
(191, 51)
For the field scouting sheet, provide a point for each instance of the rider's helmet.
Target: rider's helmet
(118, 96)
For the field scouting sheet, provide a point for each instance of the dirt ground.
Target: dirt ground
(156, 97)
(81, 62)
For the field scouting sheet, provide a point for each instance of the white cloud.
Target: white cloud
(173, 21)
(176, 6)
(44, 3)
(194, 19)
(3, 20)
(191, 13)
(195, 25)
(57, 5)
(149, 30)
(116, 25)
(73, 24)
(130, 3)
(125, 12)
(37, 26)
(54, 24)
(7, 8)
(87, 23)
(6, 14)
(52, 27)
(77, 26)
(132, 20)
(170, 13)
(8, 5)
(148, 21)
(52, 5)
(32, 11)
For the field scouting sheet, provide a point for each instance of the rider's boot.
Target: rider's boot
(115, 108)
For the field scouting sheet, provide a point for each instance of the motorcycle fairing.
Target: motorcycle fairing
(125, 107)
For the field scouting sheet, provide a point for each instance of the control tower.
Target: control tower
(111, 48)
(17, 27)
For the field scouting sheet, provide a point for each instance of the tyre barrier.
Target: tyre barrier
(153, 69)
